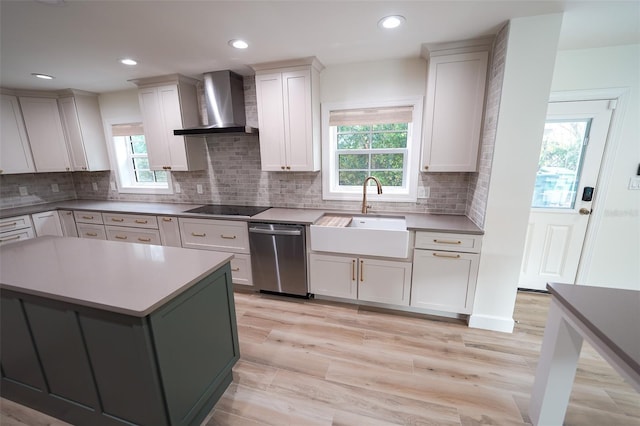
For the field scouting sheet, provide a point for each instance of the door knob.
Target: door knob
(584, 211)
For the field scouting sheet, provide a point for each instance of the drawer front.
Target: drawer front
(241, 269)
(448, 242)
(87, 217)
(88, 230)
(132, 235)
(16, 235)
(13, 223)
(134, 220)
(219, 235)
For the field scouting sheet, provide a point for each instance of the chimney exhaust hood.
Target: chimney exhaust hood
(224, 101)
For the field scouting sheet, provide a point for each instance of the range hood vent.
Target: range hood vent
(224, 101)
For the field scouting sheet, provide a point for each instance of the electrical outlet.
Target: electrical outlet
(23, 191)
(94, 185)
(55, 187)
(634, 183)
(176, 188)
(424, 192)
(199, 189)
(113, 186)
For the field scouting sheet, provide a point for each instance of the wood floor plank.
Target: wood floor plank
(312, 362)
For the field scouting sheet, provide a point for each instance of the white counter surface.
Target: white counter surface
(132, 279)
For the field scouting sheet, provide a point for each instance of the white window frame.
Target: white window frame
(330, 187)
(121, 163)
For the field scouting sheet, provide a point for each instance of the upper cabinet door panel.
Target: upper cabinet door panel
(74, 135)
(298, 119)
(453, 113)
(15, 153)
(172, 118)
(153, 128)
(44, 127)
(271, 121)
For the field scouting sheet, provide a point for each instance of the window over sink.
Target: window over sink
(380, 139)
(132, 162)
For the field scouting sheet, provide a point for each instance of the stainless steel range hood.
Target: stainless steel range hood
(224, 100)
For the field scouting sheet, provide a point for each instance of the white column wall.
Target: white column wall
(529, 64)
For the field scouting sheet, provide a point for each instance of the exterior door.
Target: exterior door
(566, 187)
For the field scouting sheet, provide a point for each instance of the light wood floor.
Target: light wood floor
(320, 363)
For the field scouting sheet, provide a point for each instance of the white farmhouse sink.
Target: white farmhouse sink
(385, 236)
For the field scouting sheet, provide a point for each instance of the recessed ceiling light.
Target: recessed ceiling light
(238, 44)
(129, 61)
(42, 76)
(390, 22)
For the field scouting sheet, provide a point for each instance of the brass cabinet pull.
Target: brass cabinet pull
(198, 235)
(91, 234)
(144, 240)
(69, 213)
(142, 221)
(9, 224)
(282, 167)
(235, 269)
(426, 167)
(121, 237)
(353, 270)
(447, 242)
(288, 167)
(450, 256)
(166, 219)
(87, 217)
(115, 219)
(361, 270)
(233, 237)
(17, 237)
(166, 167)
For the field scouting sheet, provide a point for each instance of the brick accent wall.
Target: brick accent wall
(479, 181)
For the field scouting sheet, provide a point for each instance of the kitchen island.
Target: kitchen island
(108, 333)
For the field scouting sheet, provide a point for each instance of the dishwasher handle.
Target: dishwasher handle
(292, 232)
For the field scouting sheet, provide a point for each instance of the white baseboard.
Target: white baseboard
(492, 323)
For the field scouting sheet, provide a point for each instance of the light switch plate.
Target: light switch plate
(176, 188)
(94, 185)
(424, 192)
(23, 191)
(55, 187)
(199, 189)
(112, 185)
(634, 183)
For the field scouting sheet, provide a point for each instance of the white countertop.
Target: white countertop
(132, 279)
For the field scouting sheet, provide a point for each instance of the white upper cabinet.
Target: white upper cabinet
(46, 137)
(454, 108)
(82, 122)
(15, 153)
(169, 103)
(288, 99)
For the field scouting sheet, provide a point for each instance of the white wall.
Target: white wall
(381, 80)
(614, 246)
(529, 63)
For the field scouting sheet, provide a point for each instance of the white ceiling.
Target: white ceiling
(80, 42)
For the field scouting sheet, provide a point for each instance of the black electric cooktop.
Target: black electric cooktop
(227, 210)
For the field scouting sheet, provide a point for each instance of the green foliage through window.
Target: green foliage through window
(378, 150)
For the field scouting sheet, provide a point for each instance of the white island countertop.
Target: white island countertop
(132, 279)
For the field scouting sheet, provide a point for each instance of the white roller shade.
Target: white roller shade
(366, 116)
(129, 129)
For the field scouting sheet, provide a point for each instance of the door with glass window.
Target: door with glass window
(573, 144)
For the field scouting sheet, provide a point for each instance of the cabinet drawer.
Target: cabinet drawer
(448, 242)
(87, 217)
(89, 230)
(134, 220)
(13, 223)
(132, 235)
(16, 235)
(219, 235)
(241, 269)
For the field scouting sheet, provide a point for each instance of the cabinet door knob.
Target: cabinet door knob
(426, 167)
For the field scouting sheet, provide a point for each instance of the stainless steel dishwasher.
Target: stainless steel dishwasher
(279, 258)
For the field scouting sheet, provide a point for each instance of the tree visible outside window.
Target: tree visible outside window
(380, 141)
(133, 172)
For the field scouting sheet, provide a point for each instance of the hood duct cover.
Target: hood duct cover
(224, 101)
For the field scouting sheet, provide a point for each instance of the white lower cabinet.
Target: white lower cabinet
(444, 276)
(68, 223)
(14, 229)
(91, 230)
(169, 231)
(47, 223)
(220, 235)
(372, 280)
